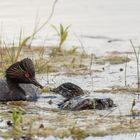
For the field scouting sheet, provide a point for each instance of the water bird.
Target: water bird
(68, 90)
(87, 103)
(20, 82)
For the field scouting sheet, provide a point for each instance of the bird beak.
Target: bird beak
(34, 81)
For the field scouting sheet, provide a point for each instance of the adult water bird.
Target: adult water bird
(20, 82)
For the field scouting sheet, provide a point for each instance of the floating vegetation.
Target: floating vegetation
(112, 59)
(46, 89)
(17, 119)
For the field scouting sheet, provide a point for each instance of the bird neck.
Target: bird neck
(14, 87)
(12, 84)
(15, 93)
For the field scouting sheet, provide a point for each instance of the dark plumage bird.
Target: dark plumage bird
(18, 84)
(68, 90)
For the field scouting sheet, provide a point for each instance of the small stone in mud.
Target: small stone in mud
(9, 123)
(121, 69)
(50, 102)
(26, 138)
(41, 126)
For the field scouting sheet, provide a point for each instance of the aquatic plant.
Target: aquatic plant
(137, 53)
(62, 32)
(17, 119)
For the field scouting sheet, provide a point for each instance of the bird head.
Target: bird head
(22, 72)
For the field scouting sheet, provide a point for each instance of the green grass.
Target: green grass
(62, 33)
(17, 119)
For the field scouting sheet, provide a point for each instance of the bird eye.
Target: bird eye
(26, 75)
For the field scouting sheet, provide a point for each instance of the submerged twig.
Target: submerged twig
(90, 68)
(125, 71)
